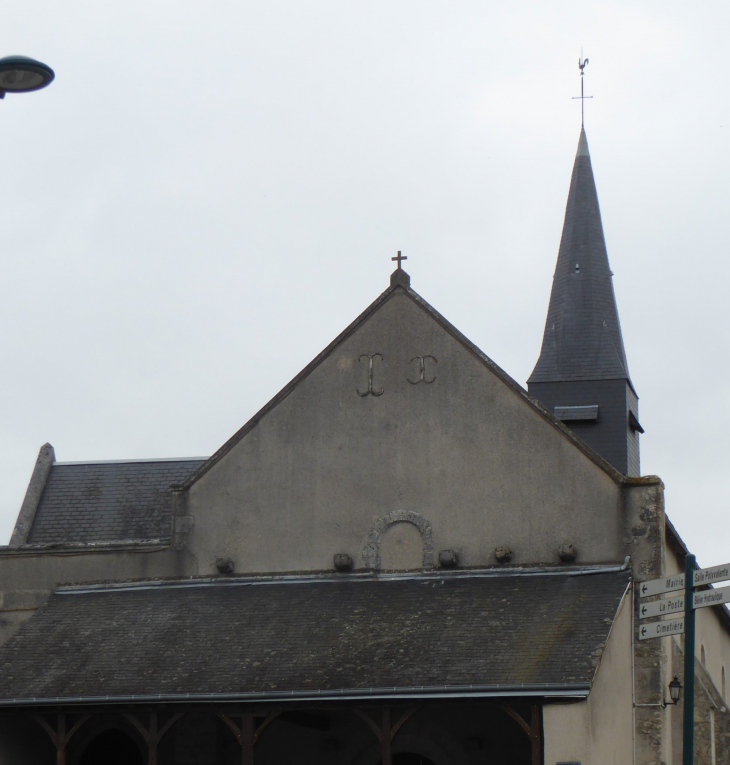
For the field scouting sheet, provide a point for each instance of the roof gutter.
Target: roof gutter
(339, 578)
(548, 690)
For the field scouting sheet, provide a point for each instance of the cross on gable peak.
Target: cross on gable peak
(399, 276)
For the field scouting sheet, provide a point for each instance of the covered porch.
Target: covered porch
(421, 669)
(457, 732)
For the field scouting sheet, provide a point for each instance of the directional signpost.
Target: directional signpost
(661, 629)
(666, 607)
(660, 586)
(685, 604)
(712, 575)
(711, 597)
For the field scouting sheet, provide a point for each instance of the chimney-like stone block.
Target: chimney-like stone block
(33, 494)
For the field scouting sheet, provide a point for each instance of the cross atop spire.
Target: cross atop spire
(399, 258)
(582, 65)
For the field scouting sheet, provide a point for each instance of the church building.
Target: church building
(404, 558)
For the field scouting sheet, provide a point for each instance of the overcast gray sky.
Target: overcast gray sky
(210, 192)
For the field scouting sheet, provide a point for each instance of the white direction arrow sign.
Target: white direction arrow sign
(711, 597)
(664, 607)
(661, 629)
(712, 575)
(658, 586)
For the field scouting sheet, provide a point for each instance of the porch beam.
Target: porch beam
(403, 720)
(517, 717)
(532, 729)
(153, 735)
(265, 724)
(60, 737)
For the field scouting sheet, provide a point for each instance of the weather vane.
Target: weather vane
(582, 65)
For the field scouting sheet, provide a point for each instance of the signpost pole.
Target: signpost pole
(689, 662)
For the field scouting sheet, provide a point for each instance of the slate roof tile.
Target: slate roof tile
(309, 636)
(108, 501)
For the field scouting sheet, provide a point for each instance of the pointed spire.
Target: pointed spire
(582, 339)
(583, 146)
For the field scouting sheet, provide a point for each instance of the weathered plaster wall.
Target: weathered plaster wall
(466, 452)
(598, 730)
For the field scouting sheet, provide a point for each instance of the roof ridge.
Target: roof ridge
(130, 461)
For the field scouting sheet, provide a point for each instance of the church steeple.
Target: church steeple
(582, 374)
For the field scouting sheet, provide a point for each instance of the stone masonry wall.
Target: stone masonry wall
(644, 542)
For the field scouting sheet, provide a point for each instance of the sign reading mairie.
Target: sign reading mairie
(658, 586)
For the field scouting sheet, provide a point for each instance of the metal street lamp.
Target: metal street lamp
(675, 690)
(19, 74)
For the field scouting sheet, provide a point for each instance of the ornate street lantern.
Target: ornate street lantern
(675, 690)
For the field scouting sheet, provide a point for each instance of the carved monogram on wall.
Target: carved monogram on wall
(371, 391)
(423, 372)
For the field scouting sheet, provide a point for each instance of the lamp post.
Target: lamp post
(688, 735)
(20, 74)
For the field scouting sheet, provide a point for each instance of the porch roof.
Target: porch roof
(316, 637)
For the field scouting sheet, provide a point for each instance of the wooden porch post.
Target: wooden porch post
(61, 740)
(386, 738)
(247, 739)
(535, 735)
(152, 740)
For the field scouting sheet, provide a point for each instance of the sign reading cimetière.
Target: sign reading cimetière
(661, 629)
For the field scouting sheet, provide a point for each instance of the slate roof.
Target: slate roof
(107, 501)
(582, 339)
(314, 638)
